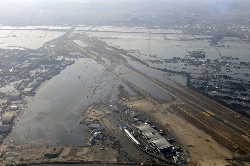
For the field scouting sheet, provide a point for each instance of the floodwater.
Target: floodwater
(149, 87)
(153, 73)
(166, 44)
(53, 113)
(24, 39)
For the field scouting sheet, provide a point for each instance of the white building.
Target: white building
(8, 118)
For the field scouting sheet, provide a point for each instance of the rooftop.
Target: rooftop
(161, 143)
(154, 136)
(4, 128)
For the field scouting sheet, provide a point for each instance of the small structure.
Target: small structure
(27, 91)
(112, 108)
(39, 79)
(33, 84)
(8, 118)
(3, 102)
(97, 135)
(5, 129)
(13, 107)
(14, 96)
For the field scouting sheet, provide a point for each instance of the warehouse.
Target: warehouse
(132, 137)
(14, 96)
(13, 107)
(8, 118)
(5, 129)
(27, 91)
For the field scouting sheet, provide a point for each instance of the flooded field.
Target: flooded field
(166, 43)
(78, 89)
(22, 38)
(54, 111)
(170, 50)
(148, 87)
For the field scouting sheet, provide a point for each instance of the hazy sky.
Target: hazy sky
(65, 10)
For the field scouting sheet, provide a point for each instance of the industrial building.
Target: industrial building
(8, 118)
(27, 91)
(132, 137)
(155, 138)
(125, 127)
(14, 96)
(5, 129)
(13, 107)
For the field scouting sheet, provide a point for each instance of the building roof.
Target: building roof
(145, 128)
(13, 107)
(3, 101)
(7, 117)
(4, 128)
(154, 136)
(14, 95)
(161, 143)
(27, 89)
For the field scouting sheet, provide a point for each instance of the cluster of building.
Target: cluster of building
(148, 139)
(25, 73)
(226, 80)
